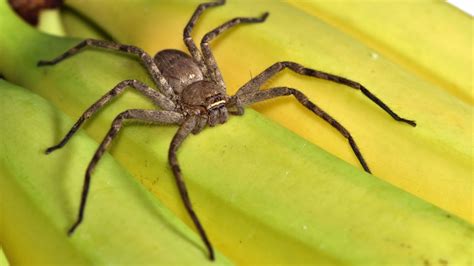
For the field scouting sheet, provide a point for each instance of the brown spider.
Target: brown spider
(192, 94)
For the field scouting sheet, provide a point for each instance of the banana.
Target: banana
(432, 161)
(440, 31)
(40, 198)
(78, 26)
(264, 194)
(3, 258)
(50, 21)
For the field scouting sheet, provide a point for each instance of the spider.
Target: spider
(192, 94)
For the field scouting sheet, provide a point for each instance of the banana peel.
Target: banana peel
(304, 206)
(3, 258)
(76, 25)
(439, 32)
(50, 21)
(432, 161)
(124, 223)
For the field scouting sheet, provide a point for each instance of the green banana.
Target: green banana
(432, 161)
(302, 206)
(124, 223)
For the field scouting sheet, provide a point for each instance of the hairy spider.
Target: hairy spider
(192, 94)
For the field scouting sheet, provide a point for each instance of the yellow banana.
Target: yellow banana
(432, 161)
(434, 46)
(264, 194)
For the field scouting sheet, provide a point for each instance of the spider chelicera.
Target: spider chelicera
(192, 94)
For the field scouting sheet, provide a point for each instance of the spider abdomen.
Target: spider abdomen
(179, 69)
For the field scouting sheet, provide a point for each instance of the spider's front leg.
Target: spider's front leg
(206, 60)
(209, 59)
(185, 129)
(262, 95)
(188, 39)
(146, 59)
(152, 94)
(149, 116)
(255, 83)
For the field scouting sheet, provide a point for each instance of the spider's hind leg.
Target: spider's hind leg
(185, 129)
(262, 95)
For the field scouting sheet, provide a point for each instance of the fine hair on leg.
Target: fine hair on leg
(262, 95)
(185, 129)
(188, 39)
(145, 58)
(148, 116)
(255, 83)
(209, 59)
(156, 97)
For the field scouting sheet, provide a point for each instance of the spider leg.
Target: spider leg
(186, 128)
(152, 94)
(188, 40)
(209, 59)
(262, 95)
(153, 116)
(255, 83)
(146, 59)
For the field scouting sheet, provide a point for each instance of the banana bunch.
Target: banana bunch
(432, 161)
(264, 194)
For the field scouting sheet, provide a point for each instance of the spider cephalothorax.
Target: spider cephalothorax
(207, 97)
(192, 94)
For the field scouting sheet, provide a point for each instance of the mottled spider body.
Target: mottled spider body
(196, 95)
(179, 69)
(191, 93)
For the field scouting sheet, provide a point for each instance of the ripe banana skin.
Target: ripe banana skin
(432, 161)
(264, 194)
(435, 46)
